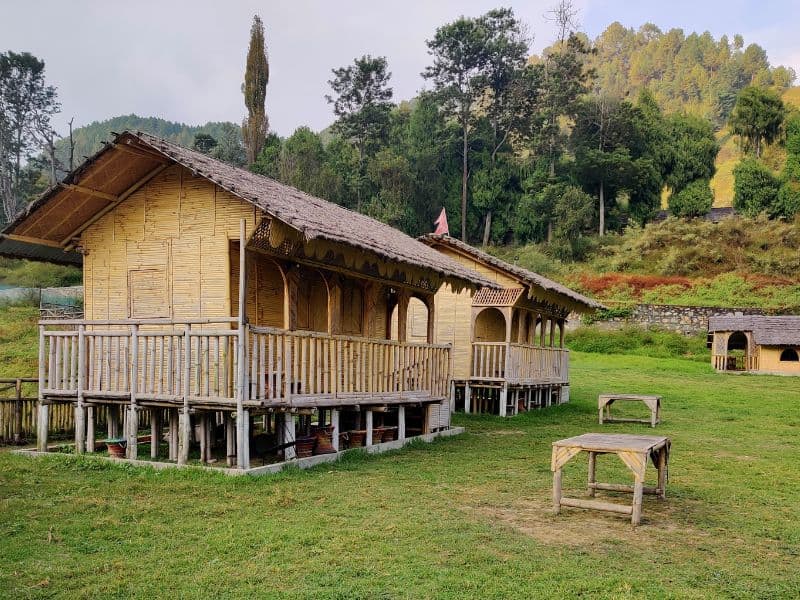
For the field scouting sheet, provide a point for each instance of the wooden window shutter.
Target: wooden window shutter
(148, 294)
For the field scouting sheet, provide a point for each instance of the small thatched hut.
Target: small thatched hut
(754, 343)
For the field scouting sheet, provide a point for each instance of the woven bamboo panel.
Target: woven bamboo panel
(504, 297)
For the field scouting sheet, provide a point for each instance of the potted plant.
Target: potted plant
(324, 438)
(357, 437)
(304, 445)
(116, 447)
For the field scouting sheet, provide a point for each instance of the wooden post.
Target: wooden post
(467, 398)
(557, 490)
(636, 515)
(401, 422)
(155, 431)
(431, 319)
(289, 435)
(42, 414)
(592, 470)
(203, 425)
(369, 428)
(503, 399)
(133, 415)
(80, 410)
(184, 436)
(90, 429)
(17, 426)
(242, 417)
(403, 299)
(173, 434)
(230, 439)
(662, 473)
(335, 423)
(184, 418)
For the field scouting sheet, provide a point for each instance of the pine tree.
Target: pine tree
(256, 77)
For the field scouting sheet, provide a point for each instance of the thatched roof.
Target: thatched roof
(767, 331)
(524, 276)
(313, 218)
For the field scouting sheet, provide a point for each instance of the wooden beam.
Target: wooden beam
(122, 197)
(31, 240)
(89, 191)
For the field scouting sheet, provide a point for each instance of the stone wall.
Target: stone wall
(682, 319)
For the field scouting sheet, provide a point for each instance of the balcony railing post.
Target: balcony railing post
(133, 415)
(184, 422)
(80, 410)
(42, 413)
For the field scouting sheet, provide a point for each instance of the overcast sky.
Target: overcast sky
(184, 61)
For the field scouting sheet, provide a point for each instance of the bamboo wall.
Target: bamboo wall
(769, 359)
(163, 252)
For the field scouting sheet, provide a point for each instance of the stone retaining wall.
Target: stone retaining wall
(682, 319)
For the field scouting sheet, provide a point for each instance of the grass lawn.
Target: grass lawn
(464, 517)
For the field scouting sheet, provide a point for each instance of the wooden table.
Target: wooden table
(604, 402)
(633, 450)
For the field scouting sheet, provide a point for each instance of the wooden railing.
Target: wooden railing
(197, 362)
(302, 367)
(724, 362)
(519, 363)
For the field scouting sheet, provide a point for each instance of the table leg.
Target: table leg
(557, 490)
(638, 489)
(662, 473)
(592, 478)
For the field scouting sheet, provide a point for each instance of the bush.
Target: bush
(755, 188)
(695, 200)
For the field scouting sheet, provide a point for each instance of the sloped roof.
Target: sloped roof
(524, 275)
(313, 217)
(767, 331)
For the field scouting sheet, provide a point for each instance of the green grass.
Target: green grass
(27, 273)
(464, 517)
(19, 340)
(639, 342)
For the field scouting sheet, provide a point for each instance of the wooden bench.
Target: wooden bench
(604, 402)
(633, 450)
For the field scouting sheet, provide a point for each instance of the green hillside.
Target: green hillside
(729, 155)
(89, 139)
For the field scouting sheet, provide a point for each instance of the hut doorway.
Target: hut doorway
(490, 326)
(416, 321)
(737, 352)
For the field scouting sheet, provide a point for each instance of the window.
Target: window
(789, 355)
(147, 293)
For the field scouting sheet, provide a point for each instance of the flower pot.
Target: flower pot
(116, 447)
(324, 438)
(304, 446)
(357, 438)
(377, 434)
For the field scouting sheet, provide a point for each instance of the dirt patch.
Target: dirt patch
(586, 528)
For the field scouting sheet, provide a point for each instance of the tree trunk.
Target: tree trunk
(549, 231)
(602, 210)
(464, 175)
(487, 228)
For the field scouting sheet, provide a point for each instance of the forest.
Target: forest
(586, 138)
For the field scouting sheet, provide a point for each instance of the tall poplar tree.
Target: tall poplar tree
(256, 77)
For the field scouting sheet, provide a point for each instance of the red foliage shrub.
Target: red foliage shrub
(596, 284)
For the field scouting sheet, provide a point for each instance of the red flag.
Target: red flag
(441, 224)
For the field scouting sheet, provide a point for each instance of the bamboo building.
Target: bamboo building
(507, 339)
(225, 308)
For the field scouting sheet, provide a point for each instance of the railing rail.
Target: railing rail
(198, 361)
(519, 363)
(726, 362)
(303, 363)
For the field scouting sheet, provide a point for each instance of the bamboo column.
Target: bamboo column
(401, 422)
(42, 414)
(335, 423)
(369, 428)
(184, 420)
(91, 441)
(155, 431)
(80, 410)
(242, 418)
(133, 416)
